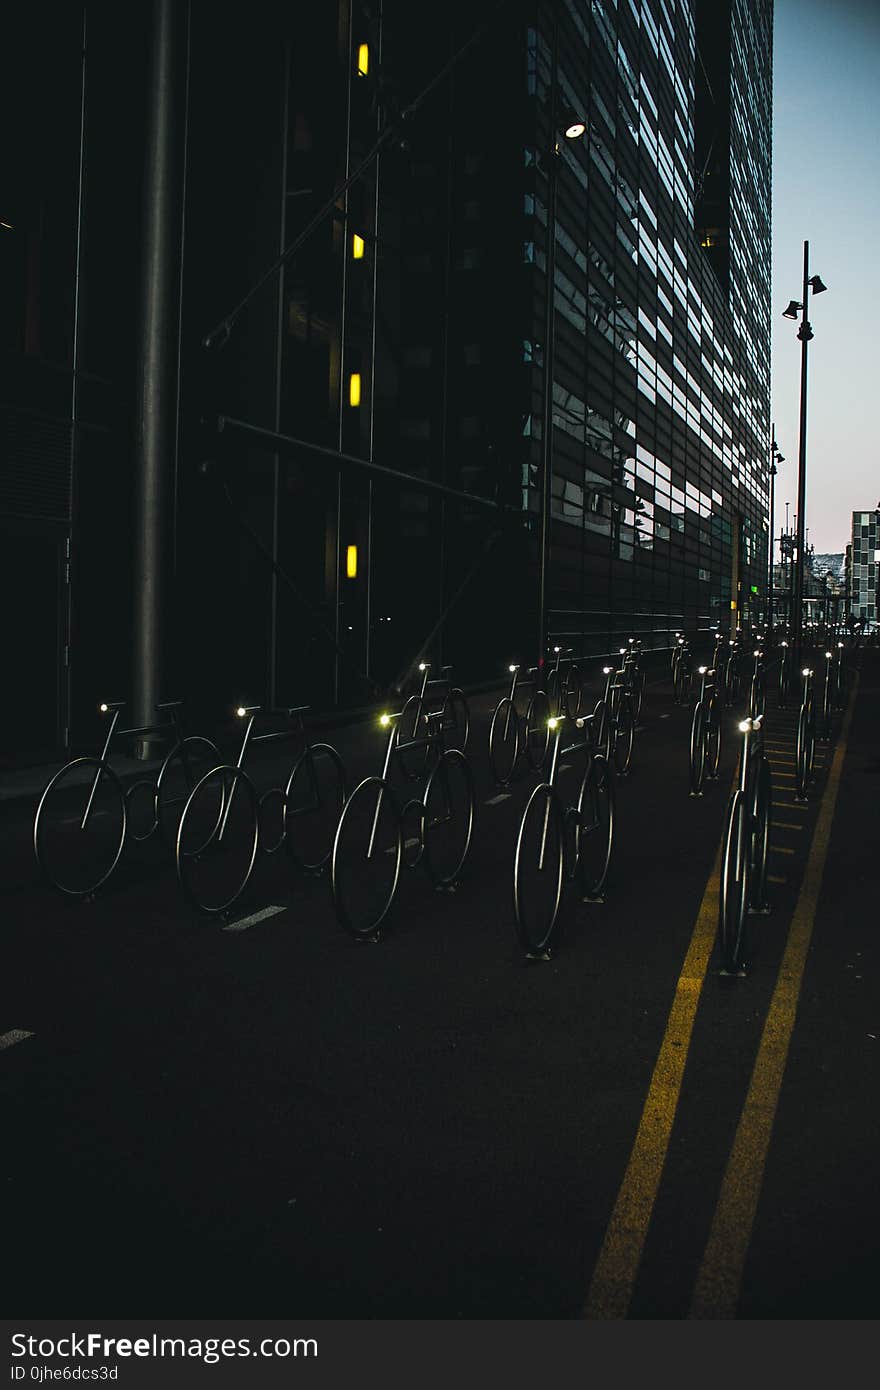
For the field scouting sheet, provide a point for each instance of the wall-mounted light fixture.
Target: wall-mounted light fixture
(351, 562)
(354, 389)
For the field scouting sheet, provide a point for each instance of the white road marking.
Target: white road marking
(15, 1035)
(665, 716)
(244, 922)
(494, 800)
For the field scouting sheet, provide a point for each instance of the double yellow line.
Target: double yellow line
(716, 1292)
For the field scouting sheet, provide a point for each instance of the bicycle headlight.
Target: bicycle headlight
(241, 712)
(384, 720)
(103, 709)
(806, 671)
(552, 723)
(511, 669)
(745, 725)
(702, 670)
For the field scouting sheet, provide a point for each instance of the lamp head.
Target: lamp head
(793, 309)
(816, 284)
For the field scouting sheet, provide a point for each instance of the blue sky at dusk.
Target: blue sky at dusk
(826, 189)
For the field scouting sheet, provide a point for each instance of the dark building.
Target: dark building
(598, 462)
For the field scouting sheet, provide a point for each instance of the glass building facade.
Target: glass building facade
(516, 384)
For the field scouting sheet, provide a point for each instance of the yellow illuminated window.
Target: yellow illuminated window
(363, 59)
(357, 247)
(351, 562)
(354, 389)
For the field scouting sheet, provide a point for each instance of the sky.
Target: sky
(826, 190)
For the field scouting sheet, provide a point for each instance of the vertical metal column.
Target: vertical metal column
(160, 288)
(549, 343)
(804, 334)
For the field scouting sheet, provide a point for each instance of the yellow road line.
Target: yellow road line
(615, 1271)
(716, 1293)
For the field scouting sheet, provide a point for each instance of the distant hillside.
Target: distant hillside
(823, 563)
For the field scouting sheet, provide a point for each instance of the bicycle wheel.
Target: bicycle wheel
(573, 693)
(760, 837)
(538, 730)
(313, 802)
(414, 762)
(698, 749)
(217, 840)
(622, 745)
(802, 755)
(678, 682)
(713, 738)
(638, 693)
(602, 730)
(537, 870)
(185, 765)
(827, 719)
(554, 693)
(504, 740)
(734, 887)
(595, 811)
(456, 720)
(77, 852)
(366, 858)
(784, 684)
(449, 817)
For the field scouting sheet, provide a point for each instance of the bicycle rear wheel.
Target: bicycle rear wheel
(760, 838)
(366, 858)
(573, 693)
(698, 749)
(537, 870)
(185, 765)
(504, 738)
(313, 802)
(595, 812)
(734, 887)
(801, 760)
(217, 840)
(77, 852)
(449, 817)
(538, 730)
(713, 738)
(623, 734)
(456, 721)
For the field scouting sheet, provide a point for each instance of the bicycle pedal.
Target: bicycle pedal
(599, 900)
(372, 940)
(535, 957)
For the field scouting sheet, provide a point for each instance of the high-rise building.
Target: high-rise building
(521, 368)
(864, 568)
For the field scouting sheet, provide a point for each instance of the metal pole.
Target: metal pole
(156, 368)
(549, 336)
(804, 334)
(770, 537)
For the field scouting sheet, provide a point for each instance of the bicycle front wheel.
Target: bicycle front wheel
(79, 833)
(713, 738)
(449, 817)
(760, 824)
(802, 754)
(504, 741)
(595, 811)
(366, 858)
(313, 802)
(698, 749)
(537, 870)
(734, 886)
(217, 840)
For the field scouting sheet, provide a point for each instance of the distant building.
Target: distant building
(864, 566)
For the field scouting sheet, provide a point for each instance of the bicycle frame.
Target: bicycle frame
(115, 708)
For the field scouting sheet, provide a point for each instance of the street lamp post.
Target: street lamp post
(775, 457)
(805, 333)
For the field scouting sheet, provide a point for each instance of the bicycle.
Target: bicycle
(757, 686)
(453, 708)
(369, 844)
(732, 672)
(744, 863)
(80, 835)
(705, 745)
(615, 716)
(632, 658)
(224, 823)
(682, 676)
(557, 842)
(511, 734)
(805, 751)
(784, 688)
(564, 687)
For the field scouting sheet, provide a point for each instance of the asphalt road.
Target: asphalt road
(275, 1121)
